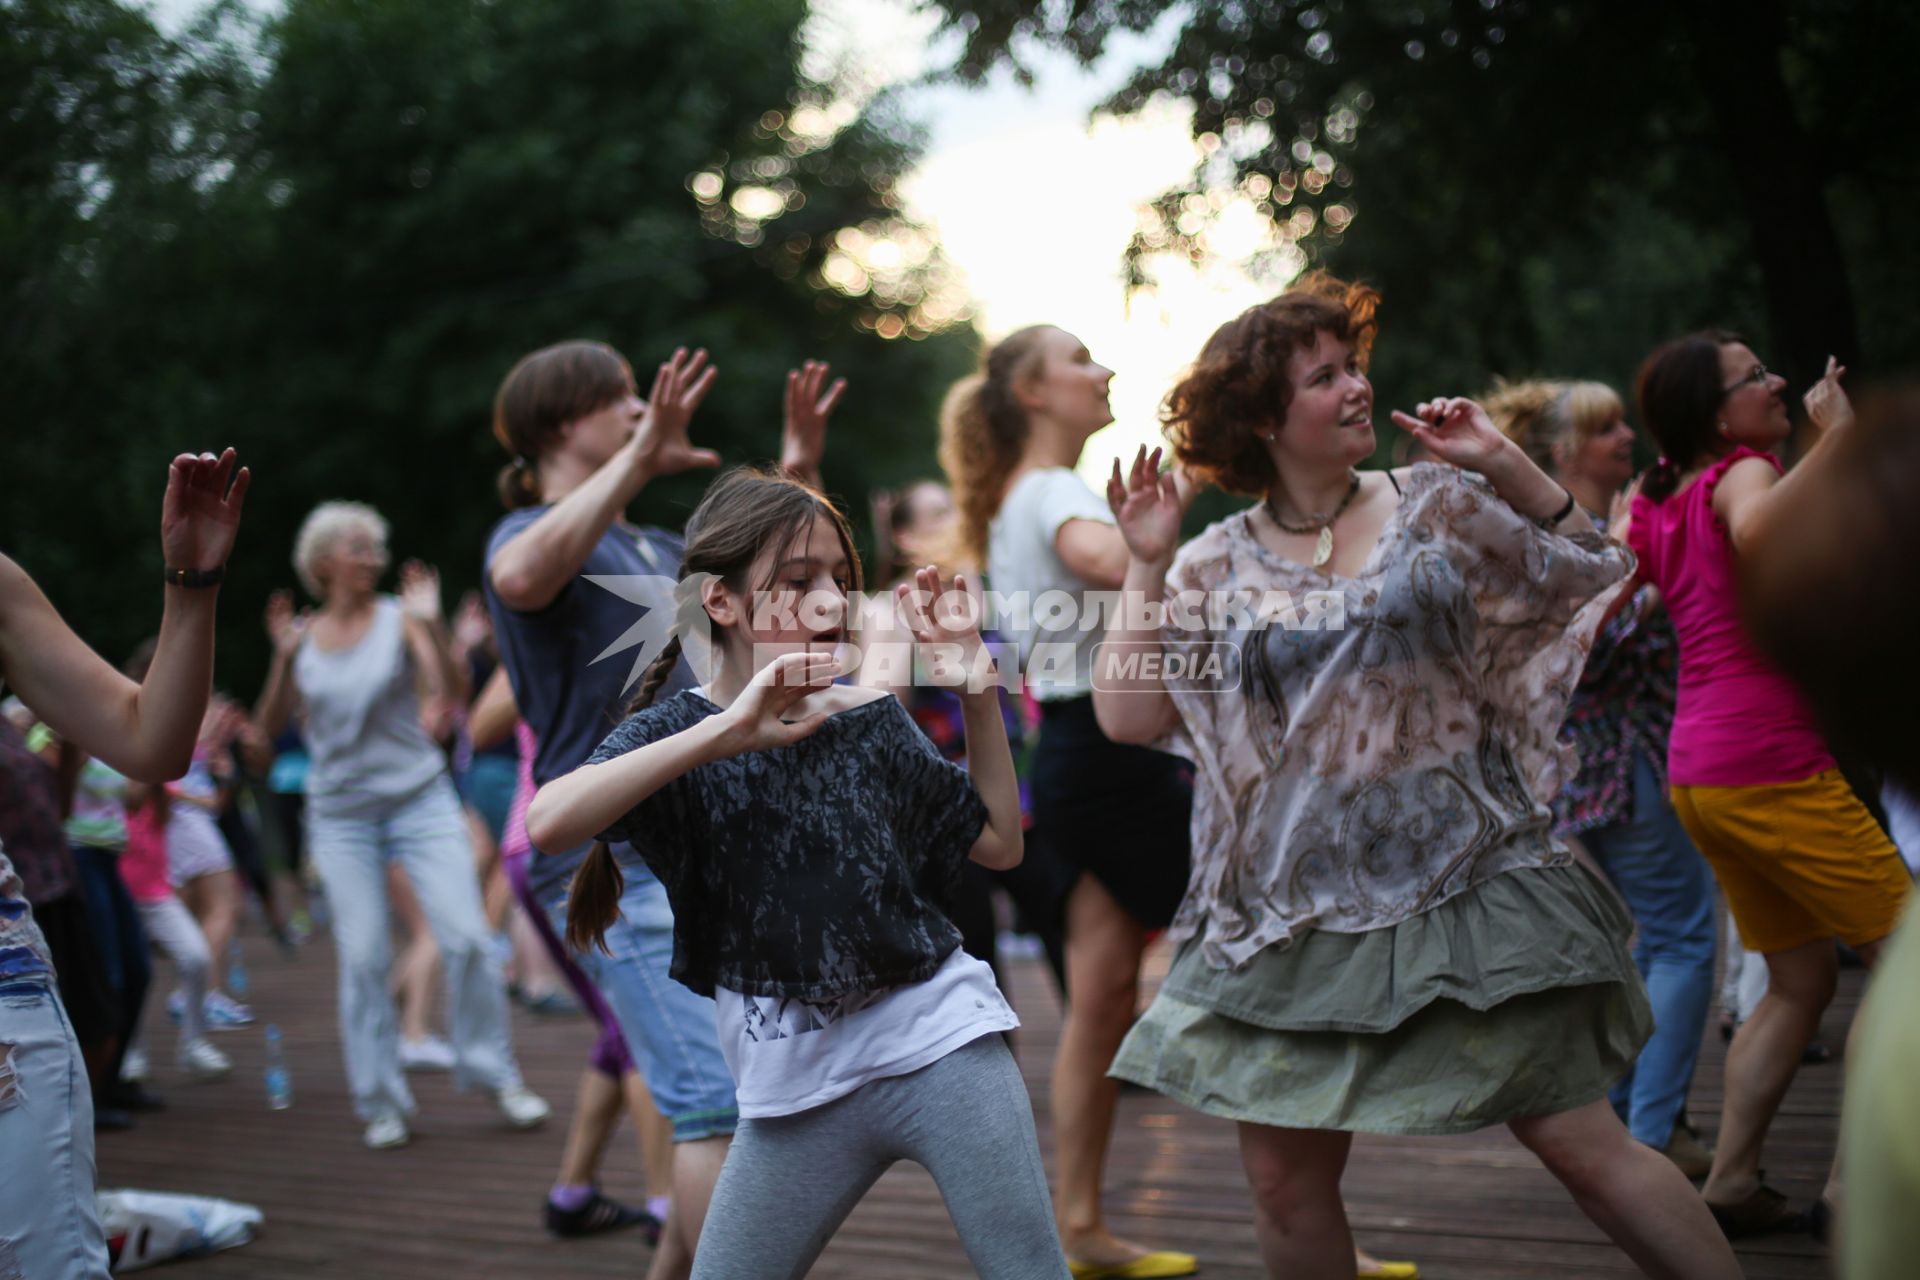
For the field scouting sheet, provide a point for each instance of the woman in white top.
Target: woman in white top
(379, 788)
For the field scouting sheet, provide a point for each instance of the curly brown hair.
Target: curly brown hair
(1240, 383)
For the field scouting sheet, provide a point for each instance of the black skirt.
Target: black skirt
(1120, 813)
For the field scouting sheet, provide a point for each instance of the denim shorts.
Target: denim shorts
(671, 1030)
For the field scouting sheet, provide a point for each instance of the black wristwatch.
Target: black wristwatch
(194, 577)
(1552, 522)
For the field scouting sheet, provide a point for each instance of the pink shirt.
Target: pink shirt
(1737, 722)
(144, 865)
(513, 840)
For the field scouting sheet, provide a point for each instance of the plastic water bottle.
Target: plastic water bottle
(279, 1081)
(236, 971)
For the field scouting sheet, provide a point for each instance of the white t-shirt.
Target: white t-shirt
(788, 1055)
(1060, 626)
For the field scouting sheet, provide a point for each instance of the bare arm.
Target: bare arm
(1002, 844)
(147, 730)
(1094, 552)
(536, 564)
(573, 809)
(491, 719)
(1137, 709)
(279, 699)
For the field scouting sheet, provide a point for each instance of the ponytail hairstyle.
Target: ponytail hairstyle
(745, 513)
(1539, 415)
(1679, 393)
(983, 431)
(1240, 384)
(542, 393)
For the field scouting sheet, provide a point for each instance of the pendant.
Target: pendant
(1323, 551)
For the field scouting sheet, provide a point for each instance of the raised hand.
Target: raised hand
(757, 716)
(285, 627)
(1457, 431)
(1620, 510)
(1826, 400)
(1148, 505)
(943, 616)
(803, 432)
(471, 625)
(420, 591)
(660, 442)
(201, 511)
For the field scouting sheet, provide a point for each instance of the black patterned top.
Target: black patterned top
(812, 870)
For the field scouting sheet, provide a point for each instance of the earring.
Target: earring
(1723, 428)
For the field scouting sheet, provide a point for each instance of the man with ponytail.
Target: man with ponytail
(583, 445)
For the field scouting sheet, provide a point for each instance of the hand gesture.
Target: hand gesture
(1826, 400)
(201, 511)
(660, 442)
(1620, 510)
(285, 627)
(803, 433)
(1457, 430)
(1147, 506)
(471, 625)
(420, 591)
(757, 715)
(942, 615)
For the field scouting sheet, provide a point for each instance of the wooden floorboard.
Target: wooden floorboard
(463, 1200)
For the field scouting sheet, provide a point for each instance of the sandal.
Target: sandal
(1765, 1212)
(1148, 1266)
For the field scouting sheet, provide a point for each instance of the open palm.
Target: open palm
(759, 713)
(200, 513)
(660, 442)
(1147, 505)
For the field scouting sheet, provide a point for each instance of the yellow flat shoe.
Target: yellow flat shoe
(1148, 1266)
(1390, 1271)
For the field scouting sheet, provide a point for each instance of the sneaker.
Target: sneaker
(200, 1060)
(429, 1053)
(523, 1108)
(599, 1215)
(133, 1067)
(224, 1013)
(386, 1131)
(1684, 1148)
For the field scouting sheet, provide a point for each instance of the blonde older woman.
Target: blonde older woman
(379, 789)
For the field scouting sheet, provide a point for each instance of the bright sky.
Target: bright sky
(1035, 203)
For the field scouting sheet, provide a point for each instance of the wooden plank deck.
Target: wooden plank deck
(463, 1200)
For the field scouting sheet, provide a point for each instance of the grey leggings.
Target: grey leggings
(790, 1181)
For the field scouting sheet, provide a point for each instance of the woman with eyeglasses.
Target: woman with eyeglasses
(1800, 859)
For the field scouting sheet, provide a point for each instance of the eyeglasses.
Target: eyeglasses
(1756, 374)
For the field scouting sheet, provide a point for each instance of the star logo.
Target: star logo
(667, 607)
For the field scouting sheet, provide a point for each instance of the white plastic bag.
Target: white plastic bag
(148, 1227)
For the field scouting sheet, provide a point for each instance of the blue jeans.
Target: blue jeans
(1669, 890)
(670, 1029)
(49, 1225)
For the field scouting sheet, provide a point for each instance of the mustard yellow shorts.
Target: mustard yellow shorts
(1798, 861)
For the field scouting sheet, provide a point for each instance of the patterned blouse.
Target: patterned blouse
(1622, 708)
(1349, 777)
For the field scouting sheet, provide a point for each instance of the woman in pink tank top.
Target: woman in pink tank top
(1798, 856)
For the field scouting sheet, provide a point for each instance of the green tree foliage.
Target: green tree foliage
(1545, 187)
(326, 238)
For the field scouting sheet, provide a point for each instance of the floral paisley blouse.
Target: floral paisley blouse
(1354, 771)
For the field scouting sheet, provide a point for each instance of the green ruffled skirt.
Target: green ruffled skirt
(1516, 998)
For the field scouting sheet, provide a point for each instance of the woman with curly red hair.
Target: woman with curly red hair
(1381, 934)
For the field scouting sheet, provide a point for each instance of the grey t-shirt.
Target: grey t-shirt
(362, 723)
(1064, 621)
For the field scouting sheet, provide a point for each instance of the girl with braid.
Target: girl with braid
(809, 839)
